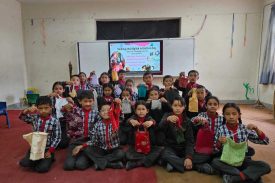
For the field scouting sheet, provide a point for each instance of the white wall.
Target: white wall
(266, 91)
(12, 58)
(65, 24)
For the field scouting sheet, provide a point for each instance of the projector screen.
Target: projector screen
(136, 56)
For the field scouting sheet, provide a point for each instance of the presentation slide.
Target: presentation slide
(136, 56)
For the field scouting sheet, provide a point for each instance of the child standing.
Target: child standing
(212, 121)
(108, 95)
(42, 121)
(168, 92)
(233, 129)
(141, 121)
(148, 84)
(178, 138)
(80, 131)
(103, 148)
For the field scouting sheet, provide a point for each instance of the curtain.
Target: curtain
(268, 69)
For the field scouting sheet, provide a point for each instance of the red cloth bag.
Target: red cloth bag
(142, 142)
(205, 140)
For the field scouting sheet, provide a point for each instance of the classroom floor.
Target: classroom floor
(13, 147)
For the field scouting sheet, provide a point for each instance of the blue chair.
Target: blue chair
(4, 111)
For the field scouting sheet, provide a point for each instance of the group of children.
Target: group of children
(107, 125)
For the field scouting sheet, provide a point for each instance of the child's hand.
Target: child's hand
(254, 127)
(134, 123)
(68, 107)
(69, 82)
(188, 164)
(117, 101)
(48, 154)
(200, 120)
(222, 139)
(53, 94)
(31, 109)
(162, 99)
(70, 100)
(147, 124)
(149, 100)
(76, 150)
(173, 119)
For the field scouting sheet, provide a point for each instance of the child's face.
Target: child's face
(141, 111)
(86, 103)
(104, 112)
(231, 115)
(121, 76)
(168, 82)
(212, 106)
(148, 79)
(154, 95)
(200, 93)
(44, 110)
(82, 78)
(104, 79)
(76, 81)
(193, 77)
(130, 85)
(58, 89)
(177, 107)
(107, 91)
(125, 95)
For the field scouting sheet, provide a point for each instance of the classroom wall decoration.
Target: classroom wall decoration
(248, 90)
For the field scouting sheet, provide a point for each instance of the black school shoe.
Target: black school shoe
(133, 164)
(206, 168)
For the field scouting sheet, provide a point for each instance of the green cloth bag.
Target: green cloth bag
(233, 153)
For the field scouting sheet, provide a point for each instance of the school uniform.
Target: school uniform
(57, 103)
(103, 148)
(157, 109)
(178, 141)
(132, 156)
(251, 169)
(49, 125)
(202, 162)
(80, 125)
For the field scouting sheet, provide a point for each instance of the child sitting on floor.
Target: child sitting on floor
(42, 121)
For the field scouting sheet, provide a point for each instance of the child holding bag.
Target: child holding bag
(206, 125)
(142, 135)
(177, 138)
(234, 136)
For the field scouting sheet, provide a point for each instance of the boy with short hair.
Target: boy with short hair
(168, 92)
(193, 76)
(80, 130)
(42, 121)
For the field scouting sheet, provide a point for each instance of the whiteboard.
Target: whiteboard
(178, 56)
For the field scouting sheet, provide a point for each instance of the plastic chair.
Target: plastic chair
(31, 98)
(3, 111)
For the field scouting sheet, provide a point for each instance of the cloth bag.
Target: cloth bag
(59, 103)
(142, 142)
(205, 140)
(183, 81)
(193, 102)
(142, 90)
(233, 153)
(126, 107)
(156, 104)
(37, 141)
